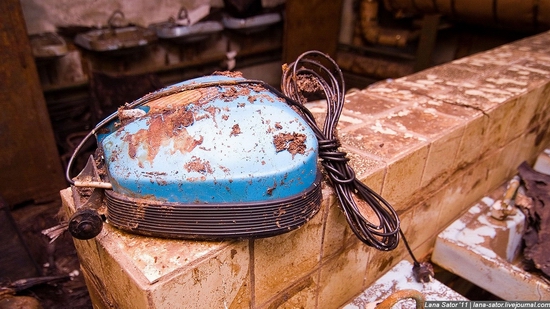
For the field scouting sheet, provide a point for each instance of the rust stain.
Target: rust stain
(257, 88)
(384, 264)
(242, 298)
(284, 296)
(226, 170)
(196, 275)
(169, 116)
(198, 165)
(292, 142)
(162, 129)
(235, 130)
(140, 211)
(184, 99)
(234, 74)
(260, 97)
(158, 177)
(230, 93)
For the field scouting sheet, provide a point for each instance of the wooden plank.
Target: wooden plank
(30, 168)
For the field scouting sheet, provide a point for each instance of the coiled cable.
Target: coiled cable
(308, 74)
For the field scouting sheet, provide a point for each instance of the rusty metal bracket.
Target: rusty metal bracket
(87, 222)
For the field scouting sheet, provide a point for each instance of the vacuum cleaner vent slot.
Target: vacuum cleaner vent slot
(213, 221)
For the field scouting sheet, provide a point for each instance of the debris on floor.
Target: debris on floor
(537, 234)
(60, 283)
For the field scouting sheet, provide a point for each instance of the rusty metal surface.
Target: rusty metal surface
(485, 251)
(401, 295)
(537, 234)
(320, 35)
(188, 34)
(48, 45)
(508, 14)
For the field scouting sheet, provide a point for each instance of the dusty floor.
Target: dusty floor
(56, 259)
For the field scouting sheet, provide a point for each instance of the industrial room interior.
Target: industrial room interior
(60, 78)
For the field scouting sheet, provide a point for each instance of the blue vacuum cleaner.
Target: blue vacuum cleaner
(217, 158)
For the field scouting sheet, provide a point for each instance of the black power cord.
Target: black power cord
(297, 79)
(306, 75)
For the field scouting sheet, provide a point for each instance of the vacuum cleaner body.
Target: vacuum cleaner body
(217, 158)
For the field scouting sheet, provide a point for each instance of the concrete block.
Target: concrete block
(368, 105)
(343, 276)
(442, 156)
(404, 178)
(147, 270)
(482, 250)
(302, 294)
(422, 222)
(280, 261)
(498, 126)
(381, 141)
(336, 231)
(222, 281)
(470, 148)
(382, 261)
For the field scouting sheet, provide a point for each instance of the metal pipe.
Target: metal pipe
(504, 207)
(401, 295)
(377, 67)
(511, 14)
(93, 184)
(375, 34)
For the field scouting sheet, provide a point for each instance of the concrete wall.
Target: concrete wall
(431, 143)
